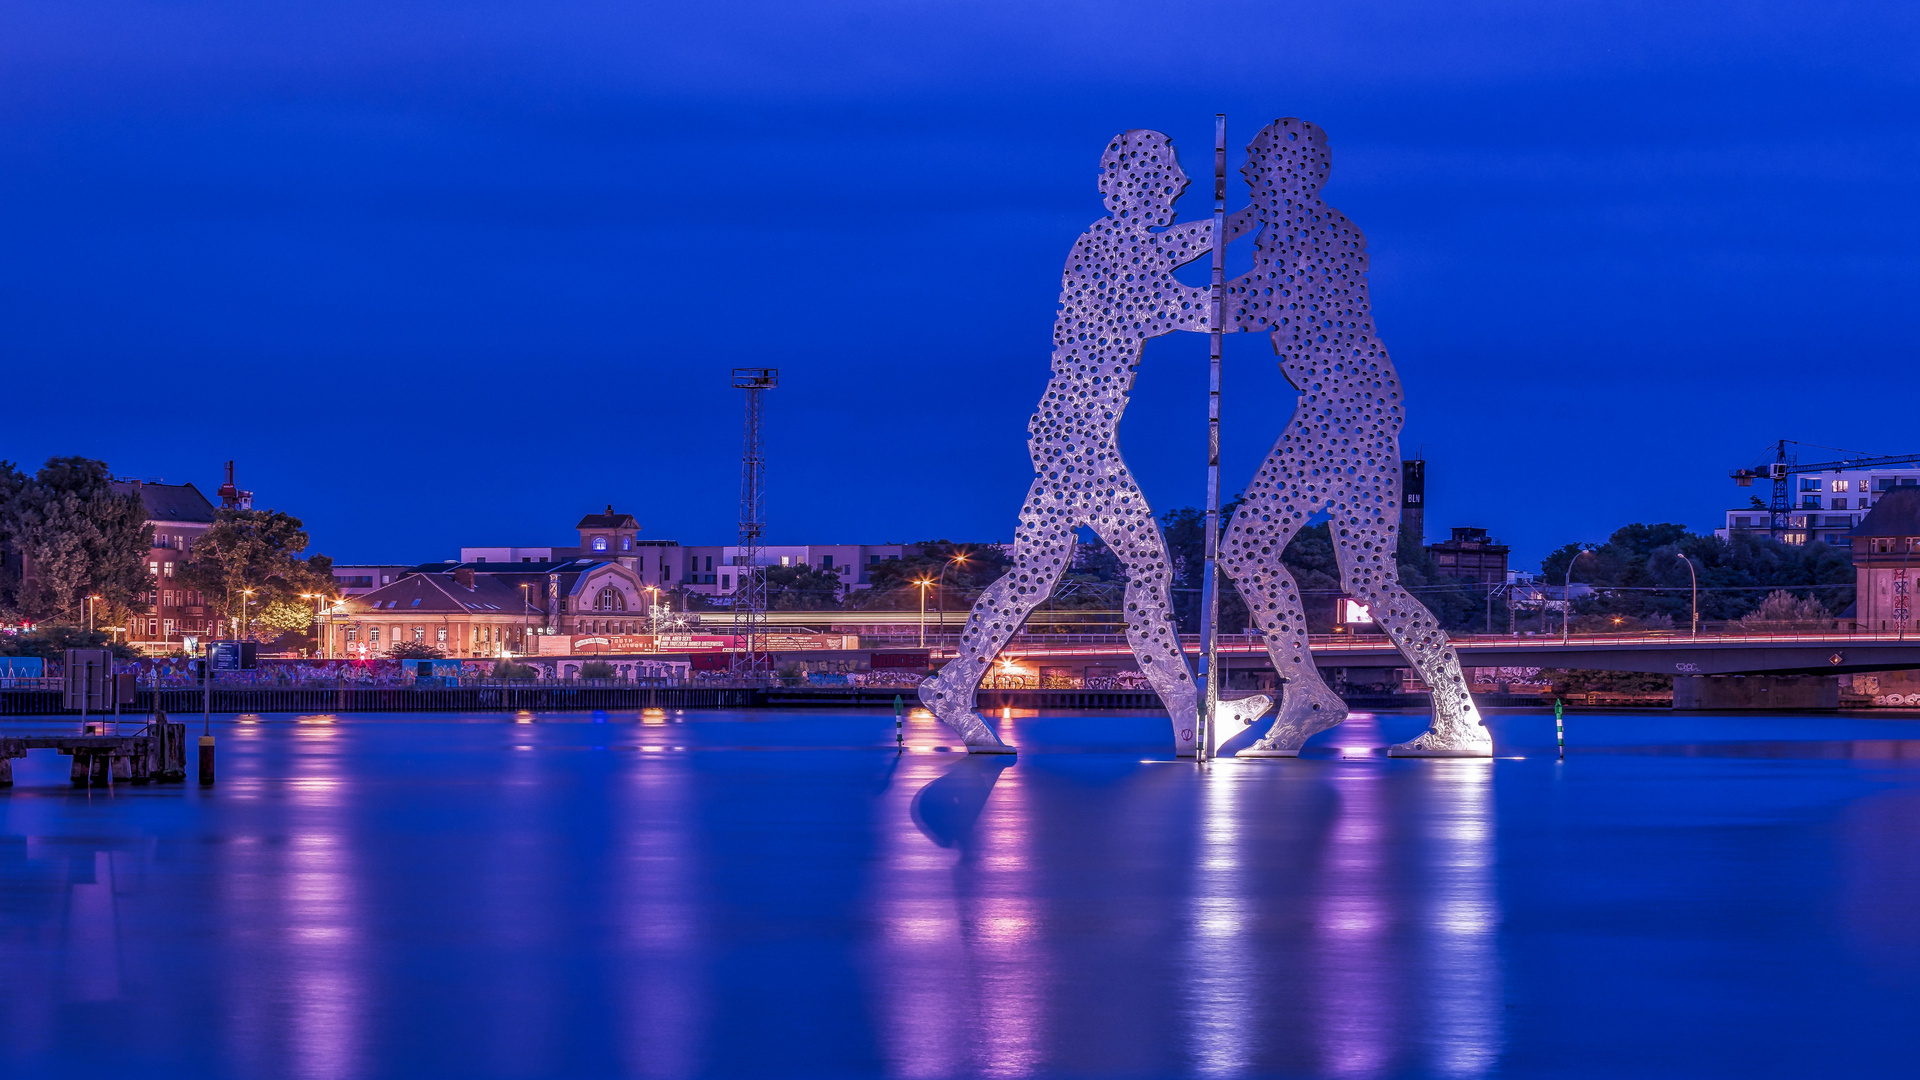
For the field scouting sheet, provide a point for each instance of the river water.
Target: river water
(781, 894)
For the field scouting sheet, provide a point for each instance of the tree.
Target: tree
(801, 588)
(1641, 572)
(596, 669)
(74, 537)
(52, 642)
(892, 585)
(257, 550)
(1782, 610)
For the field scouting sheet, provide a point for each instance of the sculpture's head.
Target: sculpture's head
(1287, 158)
(1140, 177)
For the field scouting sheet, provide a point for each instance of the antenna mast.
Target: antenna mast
(750, 659)
(1210, 579)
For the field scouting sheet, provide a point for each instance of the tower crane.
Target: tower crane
(1784, 467)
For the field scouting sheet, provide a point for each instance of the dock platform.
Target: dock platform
(155, 752)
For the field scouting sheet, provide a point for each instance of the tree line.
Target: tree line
(74, 546)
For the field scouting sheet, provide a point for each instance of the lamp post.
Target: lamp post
(90, 601)
(1566, 595)
(319, 621)
(653, 610)
(1695, 578)
(526, 618)
(241, 630)
(942, 588)
(924, 583)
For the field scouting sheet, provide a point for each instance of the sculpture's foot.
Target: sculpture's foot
(954, 708)
(1306, 710)
(1473, 742)
(1230, 718)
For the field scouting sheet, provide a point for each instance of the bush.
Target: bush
(596, 669)
(415, 650)
(507, 669)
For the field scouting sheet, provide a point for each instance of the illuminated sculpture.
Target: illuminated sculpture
(1117, 291)
(1339, 454)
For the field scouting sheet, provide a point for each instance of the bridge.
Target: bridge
(1816, 653)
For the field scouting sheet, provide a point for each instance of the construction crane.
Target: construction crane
(1784, 467)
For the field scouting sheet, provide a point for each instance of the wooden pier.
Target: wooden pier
(156, 752)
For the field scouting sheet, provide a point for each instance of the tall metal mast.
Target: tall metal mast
(750, 659)
(1210, 583)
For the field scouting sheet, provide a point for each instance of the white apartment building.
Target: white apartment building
(1823, 506)
(709, 569)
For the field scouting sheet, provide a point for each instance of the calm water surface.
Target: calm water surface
(781, 894)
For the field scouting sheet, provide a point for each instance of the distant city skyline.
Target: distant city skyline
(437, 278)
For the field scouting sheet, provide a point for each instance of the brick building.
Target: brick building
(1471, 556)
(180, 516)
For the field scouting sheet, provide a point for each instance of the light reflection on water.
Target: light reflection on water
(679, 895)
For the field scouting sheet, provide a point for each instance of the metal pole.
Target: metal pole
(1209, 582)
(1566, 596)
(923, 614)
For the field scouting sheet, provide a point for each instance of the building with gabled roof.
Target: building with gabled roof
(486, 609)
(180, 516)
(1885, 545)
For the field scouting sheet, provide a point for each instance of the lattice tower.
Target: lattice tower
(750, 658)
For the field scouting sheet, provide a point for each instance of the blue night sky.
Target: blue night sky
(455, 273)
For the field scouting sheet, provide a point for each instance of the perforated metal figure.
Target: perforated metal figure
(1339, 454)
(1117, 291)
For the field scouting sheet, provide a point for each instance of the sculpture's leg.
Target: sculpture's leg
(1042, 550)
(1250, 551)
(1365, 548)
(1130, 530)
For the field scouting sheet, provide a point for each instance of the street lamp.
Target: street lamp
(526, 618)
(241, 630)
(90, 601)
(319, 625)
(1696, 591)
(1566, 595)
(924, 584)
(942, 588)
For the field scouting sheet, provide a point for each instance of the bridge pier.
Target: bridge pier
(1806, 693)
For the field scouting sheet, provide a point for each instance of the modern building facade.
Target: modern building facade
(1825, 506)
(710, 570)
(359, 579)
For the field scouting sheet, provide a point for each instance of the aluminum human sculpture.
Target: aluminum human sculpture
(1117, 291)
(1340, 453)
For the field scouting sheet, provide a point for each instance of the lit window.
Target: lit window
(440, 635)
(420, 634)
(1840, 485)
(599, 543)
(169, 567)
(626, 543)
